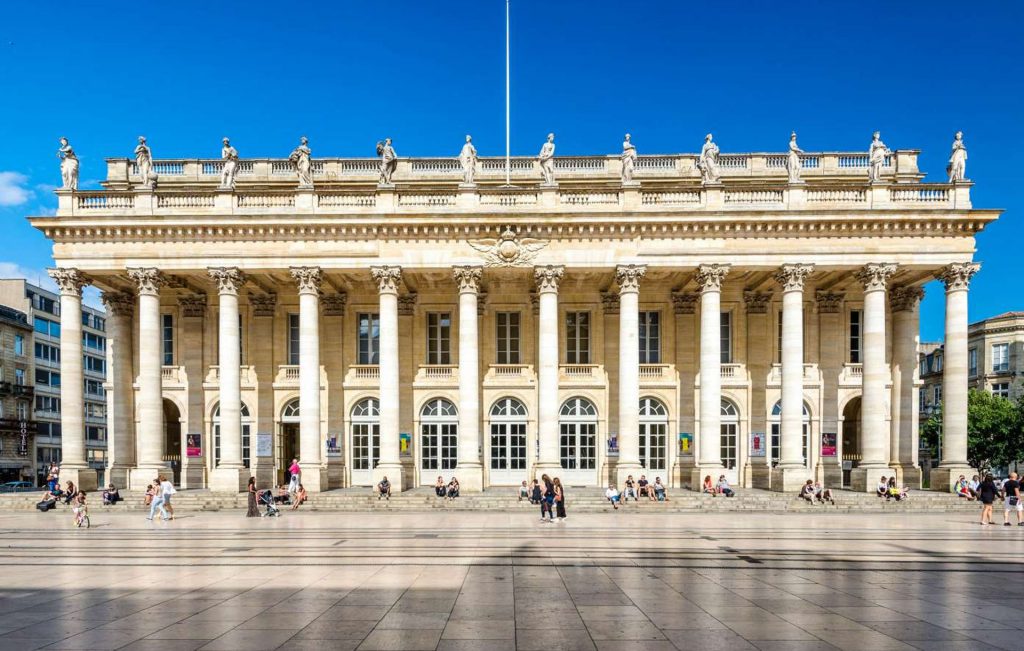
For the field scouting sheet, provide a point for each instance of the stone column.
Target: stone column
(471, 476)
(230, 476)
(791, 471)
(149, 408)
(956, 277)
(709, 443)
(308, 280)
(903, 442)
(548, 277)
(874, 439)
(628, 277)
(74, 466)
(388, 279)
(120, 431)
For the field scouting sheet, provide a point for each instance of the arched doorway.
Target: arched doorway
(730, 430)
(365, 441)
(508, 442)
(439, 440)
(851, 438)
(577, 444)
(653, 435)
(172, 438)
(287, 440)
(776, 425)
(246, 435)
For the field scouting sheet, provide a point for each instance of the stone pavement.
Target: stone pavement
(460, 580)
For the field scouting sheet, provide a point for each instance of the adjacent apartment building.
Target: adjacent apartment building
(42, 368)
(17, 429)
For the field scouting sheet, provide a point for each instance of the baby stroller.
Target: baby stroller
(266, 498)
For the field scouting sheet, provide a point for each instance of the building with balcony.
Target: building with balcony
(43, 385)
(761, 325)
(17, 428)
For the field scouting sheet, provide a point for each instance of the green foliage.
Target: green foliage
(994, 430)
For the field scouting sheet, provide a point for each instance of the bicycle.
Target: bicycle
(82, 518)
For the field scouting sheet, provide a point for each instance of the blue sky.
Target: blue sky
(347, 74)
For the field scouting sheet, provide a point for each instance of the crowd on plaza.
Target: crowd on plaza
(987, 491)
(294, 494)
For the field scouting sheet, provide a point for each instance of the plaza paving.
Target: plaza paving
(504, 581)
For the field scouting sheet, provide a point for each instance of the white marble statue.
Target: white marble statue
(876, 157)
(628, 159)
(300, 158)
(468, 160)
(230, 157)
(68, 165)
(547, 160)
(708, 161)
(388, 161)
(957, 167)
(793, 160)
(144, 163)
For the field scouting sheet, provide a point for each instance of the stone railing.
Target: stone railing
(436, 374)
(505, 371)
(810, 374)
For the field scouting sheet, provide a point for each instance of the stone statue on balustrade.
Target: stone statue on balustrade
(708, 162)
(876, 157)
(144, 164)
(68, 165)
(230, 157)
(467, 157)
(388, 161)
(793, 160)
(628, 159)
(300, 158)
(546, 158)
(957, 168)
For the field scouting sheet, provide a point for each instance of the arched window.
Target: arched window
(439, 407)
(290, 413)
(246, 435)
(508, 442)
(730, 425)
(577, 423)
(776, 425)
(365, 432)
(578, 407)
(653, 434)
(508, 408)
(439, 436)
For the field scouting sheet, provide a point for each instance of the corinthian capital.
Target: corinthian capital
(902, 299)
(229, 279)
(468, 278)
(548, 277)
(792, 276)
(118, 303)
(387, 278)
(957, 276)
(308, 279)
(711, 276)
(70, 281)
(875, 275)
(684, 302)
(756, 302)
(628, 276)
(148, 279)
(828, 302)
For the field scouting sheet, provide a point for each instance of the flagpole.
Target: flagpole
(508, 147)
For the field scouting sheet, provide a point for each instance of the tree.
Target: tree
(995, 430)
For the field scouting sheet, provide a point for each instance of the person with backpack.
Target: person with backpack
(547, 499)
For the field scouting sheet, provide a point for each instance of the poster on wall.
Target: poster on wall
(264, 445)
(613, 445)
(757, 448)
(332, 446)
(404, 441)
(193, 445)
(685, 443)
(828, 444)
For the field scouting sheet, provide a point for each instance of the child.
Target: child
(535, 494)
(524, 492)
(78, 507)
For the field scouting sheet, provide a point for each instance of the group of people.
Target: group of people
(158, 497)
(721, 487)
(294, 494)
(448, 490)
(636, 489)
(549, 494)
(890, 490)
(987, 491)
(814, 491)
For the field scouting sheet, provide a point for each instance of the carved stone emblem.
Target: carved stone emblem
(509, 250)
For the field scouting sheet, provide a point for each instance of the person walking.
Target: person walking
(548, 499)
(987, 492)
(157, 502)
(1011, 493)
(294, 472)
(166, 490)
(254, 509)
(559, 499)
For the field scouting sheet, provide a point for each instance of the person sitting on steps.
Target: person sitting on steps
(630, 490)
(384, 489)
(612, 495)
(535, 493)
(453, 488)
(807, 491)
(659, 490)
(883, 487)
(645, 488)
(823, 494)
(723, 486)
(439, 487)
(709, 486)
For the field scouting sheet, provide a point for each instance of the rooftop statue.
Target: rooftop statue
(227, 174)
(957, 167)
(876, 157)
(628, 159)
(388, 161)
(546, 158)
(144, 163)
(300, 158)
(68, 165)
(468, 159)
(708, 161)
(793, 160)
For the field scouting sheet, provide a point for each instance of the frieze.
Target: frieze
(508, 250)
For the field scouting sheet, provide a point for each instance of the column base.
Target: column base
(335, 473)
(118, 476)
(230, 480)
(84, 478)
(865, 479)
(262, 468)
(193, 473)
(393, 471)
(313, 478)
(942, 479)
(471, 477)
(832, 475)
(623, 470)
(910, 476)
(789, 480)
(760, 476)
(139, 478)
(681, 471)
(698, 473)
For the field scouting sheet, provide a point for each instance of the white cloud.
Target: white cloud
(13, 189)
(40, 278)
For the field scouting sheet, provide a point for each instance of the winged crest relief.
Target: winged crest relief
(508, 250)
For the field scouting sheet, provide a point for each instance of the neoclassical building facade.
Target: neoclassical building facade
(759, 322)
